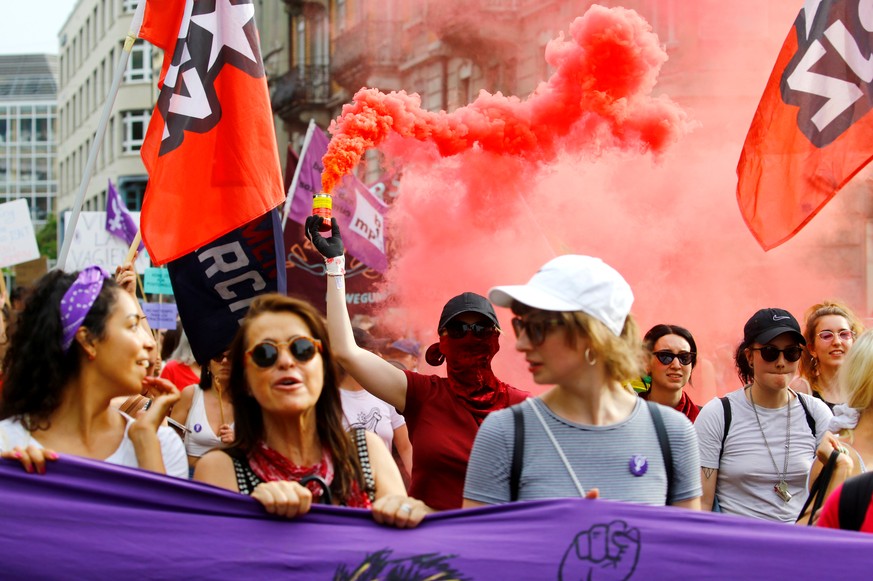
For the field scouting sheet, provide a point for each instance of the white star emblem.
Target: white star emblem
(227, 24)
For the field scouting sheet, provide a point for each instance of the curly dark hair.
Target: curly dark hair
(744, 369)
(36, 370)
(248, 416)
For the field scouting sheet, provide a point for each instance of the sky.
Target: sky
(31, 26)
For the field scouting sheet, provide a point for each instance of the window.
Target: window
(341, 15)
(130, 5)
(132, 191)
(139, 67)
(300, 44)
(135, 123)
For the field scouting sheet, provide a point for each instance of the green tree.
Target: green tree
(47, 238)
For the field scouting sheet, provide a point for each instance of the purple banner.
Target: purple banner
(87, 519)
(360, 214)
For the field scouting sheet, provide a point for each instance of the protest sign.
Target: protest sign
(27, 273)
(17, 238)
(92, 244)
(160, 315)
(157, 281)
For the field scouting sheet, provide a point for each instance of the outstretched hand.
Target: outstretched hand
(328, 247)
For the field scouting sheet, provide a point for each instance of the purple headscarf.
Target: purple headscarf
(78, 300)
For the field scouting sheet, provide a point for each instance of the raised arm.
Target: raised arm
(376, 375)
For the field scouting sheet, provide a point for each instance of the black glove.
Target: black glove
(327, 247)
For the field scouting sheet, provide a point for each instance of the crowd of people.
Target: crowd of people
(301, 408)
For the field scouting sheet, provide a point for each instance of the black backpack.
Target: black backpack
(854, 501)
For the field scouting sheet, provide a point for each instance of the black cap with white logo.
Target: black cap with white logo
(767, 324)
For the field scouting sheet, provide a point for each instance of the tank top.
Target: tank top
(199, 439)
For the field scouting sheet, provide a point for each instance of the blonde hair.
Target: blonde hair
(623, 355)
(808, 364)
(856, 374)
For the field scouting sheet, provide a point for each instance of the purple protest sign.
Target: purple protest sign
(360, 214)
(106, 522)
(160, 315)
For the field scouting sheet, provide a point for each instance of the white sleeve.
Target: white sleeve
(397, 419)
(173, 453)
(709, 426)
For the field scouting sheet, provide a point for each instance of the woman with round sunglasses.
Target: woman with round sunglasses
(290, 448)
(673, 355)
(830, 331)
(206, 410)
(78, 344)
(589, 435)
(757, 444)
(443, 413)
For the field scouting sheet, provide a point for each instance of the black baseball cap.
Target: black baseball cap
(467, 303)
(767, 324)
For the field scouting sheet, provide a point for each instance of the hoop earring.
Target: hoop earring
(592, 361)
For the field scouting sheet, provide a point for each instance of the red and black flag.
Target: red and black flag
(813, 130)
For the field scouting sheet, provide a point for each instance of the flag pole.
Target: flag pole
(289, 195)
(100, 134)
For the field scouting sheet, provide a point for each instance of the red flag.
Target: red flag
(210, 148)
(812, 131)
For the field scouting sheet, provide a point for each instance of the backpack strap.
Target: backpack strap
(810, 421)
(855, 500)
(517, 453)
(364, 459)
(664, 442)
(726, 405)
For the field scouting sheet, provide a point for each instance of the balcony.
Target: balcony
(468, 33)
(367, 54)
(305, 7)
(301, 88)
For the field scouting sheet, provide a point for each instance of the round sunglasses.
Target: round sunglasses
(667, 357)
(769, 353)
(266, 353)
(535, 329)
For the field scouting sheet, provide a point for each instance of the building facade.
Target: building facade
(91, 44)
(28, 132)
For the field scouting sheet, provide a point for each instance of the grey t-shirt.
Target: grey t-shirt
(746, 474)
(603, 457)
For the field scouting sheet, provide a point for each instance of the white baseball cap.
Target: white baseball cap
(573, 283)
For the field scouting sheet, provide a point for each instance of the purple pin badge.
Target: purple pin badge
(638, 465)
(197, 428)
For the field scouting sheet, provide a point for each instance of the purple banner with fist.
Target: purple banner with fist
(87, 519)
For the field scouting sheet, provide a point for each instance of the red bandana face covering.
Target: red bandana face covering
(468, 360)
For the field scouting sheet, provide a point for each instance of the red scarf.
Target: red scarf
(685, 405)
(271, 466)
(468, 362)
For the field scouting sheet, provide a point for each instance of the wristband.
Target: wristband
(335, 266)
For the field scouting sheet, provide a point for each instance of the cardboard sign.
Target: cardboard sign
(157, 281)
(17, 238)
(92, 244)
(27, 273)
(160, 315)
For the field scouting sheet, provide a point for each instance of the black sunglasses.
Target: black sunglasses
(535, 329)
(302, 349)
(667, 357)
(220, 357)
(457, 329)
(769, 353)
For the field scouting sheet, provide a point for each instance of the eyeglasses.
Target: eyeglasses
(266, 354)
(535, 329)
(769, 353)
(844, 335)
(667, 357)
(457, 329)
(220, 357)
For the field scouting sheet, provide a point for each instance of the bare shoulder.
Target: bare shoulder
(216, 468)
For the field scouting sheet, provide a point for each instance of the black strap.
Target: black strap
(246, 479)
(726, 405)
(819, 488)
(810, 421)
(664, 442)
(517, 453)
(364, 459)
(854, 501)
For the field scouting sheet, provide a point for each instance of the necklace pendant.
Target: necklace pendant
(782, 490)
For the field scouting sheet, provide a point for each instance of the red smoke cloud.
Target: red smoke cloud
(598, 98)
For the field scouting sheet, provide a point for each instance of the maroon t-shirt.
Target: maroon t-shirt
(442, 431)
